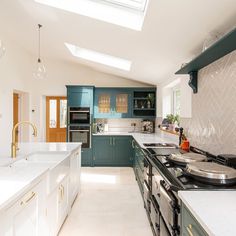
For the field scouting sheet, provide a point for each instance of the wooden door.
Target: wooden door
(56, 114)
(16, 113)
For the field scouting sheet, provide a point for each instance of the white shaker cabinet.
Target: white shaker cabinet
(57, 207)
(27, 216)
(75, 164)
(63, 201)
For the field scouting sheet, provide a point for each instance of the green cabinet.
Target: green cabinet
(144, 103)
(112, 151)
(86, 157)
(80, 96)
(138, 165)
(123, 151)
(112, 103)
(189, 225)
(103, 151)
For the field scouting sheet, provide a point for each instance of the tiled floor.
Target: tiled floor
(110, 204)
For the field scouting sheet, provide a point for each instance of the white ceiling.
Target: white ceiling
(173, 33)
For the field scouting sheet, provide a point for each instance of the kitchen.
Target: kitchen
(183, 58)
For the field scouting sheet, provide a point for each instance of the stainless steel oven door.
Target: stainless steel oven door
(156, 178)
(79, 115)
(81, 135)
(168, 207)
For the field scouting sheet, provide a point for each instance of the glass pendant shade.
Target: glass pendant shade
(2, 49)
(40, 71)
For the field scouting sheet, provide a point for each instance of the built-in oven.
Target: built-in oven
(79, 133)
(169, 208)
(79, 115)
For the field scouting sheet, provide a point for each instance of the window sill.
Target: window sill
(170, 131)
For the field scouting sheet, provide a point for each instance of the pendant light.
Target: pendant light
(40, 72)
(2, 49)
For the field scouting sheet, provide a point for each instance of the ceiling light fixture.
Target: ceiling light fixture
(98, 57)
(40, 72)
(2, 49)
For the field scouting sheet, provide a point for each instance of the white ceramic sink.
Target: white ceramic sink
(58, 164)
(46, 157)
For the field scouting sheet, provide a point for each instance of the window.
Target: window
(125, 13)
(132, 4)
(176, 101)
(98, 57)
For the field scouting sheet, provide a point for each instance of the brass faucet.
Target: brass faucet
(14, 144)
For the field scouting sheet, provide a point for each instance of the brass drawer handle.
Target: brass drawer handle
(23, 202)
(189, 229)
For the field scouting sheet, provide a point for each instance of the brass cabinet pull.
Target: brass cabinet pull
(132, 143)
(189, 229)
(23, 202)
(63, 191)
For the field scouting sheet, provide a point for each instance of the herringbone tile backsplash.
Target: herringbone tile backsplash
(213, 123)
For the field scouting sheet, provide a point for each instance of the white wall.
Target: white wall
(14, 75)
(16, 68)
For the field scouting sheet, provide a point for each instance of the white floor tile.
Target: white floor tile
(110, 204)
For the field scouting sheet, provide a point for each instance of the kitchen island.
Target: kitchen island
(39, 188)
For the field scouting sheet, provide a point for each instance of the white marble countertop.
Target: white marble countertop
(141, 138)
(214, 210)
(15, 181)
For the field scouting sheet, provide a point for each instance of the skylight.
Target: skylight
(99, 57)
(138, 5)
(125, 13)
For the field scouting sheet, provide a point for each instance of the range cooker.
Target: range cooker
(164, 177)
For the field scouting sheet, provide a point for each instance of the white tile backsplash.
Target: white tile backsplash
(213, 123)
(121, 125)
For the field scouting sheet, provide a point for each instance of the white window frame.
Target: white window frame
(174, 102)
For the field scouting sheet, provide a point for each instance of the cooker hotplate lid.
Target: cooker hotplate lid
(211, 170)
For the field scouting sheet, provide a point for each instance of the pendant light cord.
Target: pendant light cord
(39, 58)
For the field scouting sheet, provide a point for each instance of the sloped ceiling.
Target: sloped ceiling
(173, 33)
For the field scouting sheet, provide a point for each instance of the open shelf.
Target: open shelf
(144, 103)
(219, 49)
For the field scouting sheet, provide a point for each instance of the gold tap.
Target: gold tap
(14, 144)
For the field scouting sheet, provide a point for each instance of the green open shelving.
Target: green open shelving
(219, 49)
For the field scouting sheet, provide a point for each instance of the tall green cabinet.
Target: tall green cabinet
(82, 96)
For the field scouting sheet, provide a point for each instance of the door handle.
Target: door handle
(23, 202)
(110, 141)
(114, 142)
